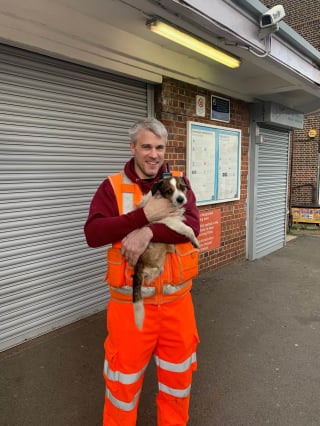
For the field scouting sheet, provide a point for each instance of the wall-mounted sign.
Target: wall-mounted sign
(210, 230)
(213, 162)
(201, 106)
(277, 115)
(220, 109)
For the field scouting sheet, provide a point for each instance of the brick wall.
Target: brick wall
(304, 18)
(175, 105)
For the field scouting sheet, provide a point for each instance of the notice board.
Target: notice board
(213, 162)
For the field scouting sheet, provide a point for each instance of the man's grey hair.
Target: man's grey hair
(152, 124)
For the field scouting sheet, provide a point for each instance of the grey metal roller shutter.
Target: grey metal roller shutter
(271, 182)
(63, 128)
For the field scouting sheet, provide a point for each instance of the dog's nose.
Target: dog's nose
(180, 199)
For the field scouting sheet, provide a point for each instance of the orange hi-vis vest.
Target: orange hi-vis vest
(179, 268)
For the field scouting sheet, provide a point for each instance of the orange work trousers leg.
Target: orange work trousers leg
(127, 354)
(175, 357)
(170, 333)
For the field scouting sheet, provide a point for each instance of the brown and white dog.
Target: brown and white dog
(150, 264)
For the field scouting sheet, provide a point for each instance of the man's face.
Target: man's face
(148, 154)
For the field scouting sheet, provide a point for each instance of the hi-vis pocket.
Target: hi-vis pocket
(184, 263)
(119, 273)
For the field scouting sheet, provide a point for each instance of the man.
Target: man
(169, 331)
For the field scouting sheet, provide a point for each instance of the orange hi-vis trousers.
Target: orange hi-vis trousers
(170, 334)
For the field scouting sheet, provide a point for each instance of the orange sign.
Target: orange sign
(210, 229)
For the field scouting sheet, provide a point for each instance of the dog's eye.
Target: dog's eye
(169, 191)
(182, 187)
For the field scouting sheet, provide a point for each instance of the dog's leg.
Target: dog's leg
(181, 228)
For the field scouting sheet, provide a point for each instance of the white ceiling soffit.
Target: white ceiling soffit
(112, 35)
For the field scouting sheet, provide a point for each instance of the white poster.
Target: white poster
(202, 164)
(228, 166)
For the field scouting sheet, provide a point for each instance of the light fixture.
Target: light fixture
(193, 43)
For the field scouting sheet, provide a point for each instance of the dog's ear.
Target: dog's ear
(156, 187)
(185, 182)
(182, 183)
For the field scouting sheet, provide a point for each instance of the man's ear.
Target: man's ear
(156, 187)
(132, 147)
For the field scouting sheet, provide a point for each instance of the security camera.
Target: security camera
(272, 17)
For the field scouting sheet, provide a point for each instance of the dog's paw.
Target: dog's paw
(195, 243)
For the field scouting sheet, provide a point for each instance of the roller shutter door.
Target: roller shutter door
(271, 182)
(64, 128)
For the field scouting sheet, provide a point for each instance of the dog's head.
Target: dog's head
(172, 188)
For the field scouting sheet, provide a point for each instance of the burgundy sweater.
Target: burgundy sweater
(105, 226)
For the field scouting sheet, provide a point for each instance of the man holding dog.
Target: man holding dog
(169, 331)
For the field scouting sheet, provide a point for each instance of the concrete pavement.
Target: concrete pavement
(259, 363)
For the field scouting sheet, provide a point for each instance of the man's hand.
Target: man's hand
(135, 243)
(159, 208)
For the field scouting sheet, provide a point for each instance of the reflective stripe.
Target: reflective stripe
(124, 378)
(179, 393)
(127, 200)
(149, 291)
(127, 290)
(171, 289)
(124, 406)
(127, 197)
(176, 367)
